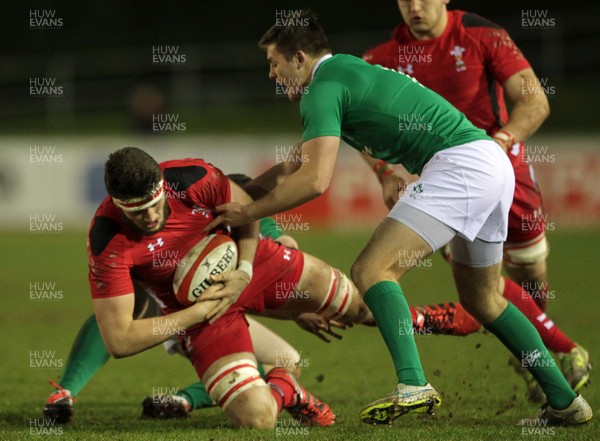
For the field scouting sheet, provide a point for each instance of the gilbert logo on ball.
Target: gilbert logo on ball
(215, 254)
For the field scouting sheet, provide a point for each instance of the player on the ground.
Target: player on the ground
(89, 353)
(474, 64)
(462, 197)
(152, 208)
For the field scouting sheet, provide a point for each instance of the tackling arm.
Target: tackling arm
(310, 180)
(266, 182)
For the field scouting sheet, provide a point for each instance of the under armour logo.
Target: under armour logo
(159, 243)
(287, 255)
(201, 210)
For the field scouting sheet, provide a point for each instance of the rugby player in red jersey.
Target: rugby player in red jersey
(165, 207)
(474, 64)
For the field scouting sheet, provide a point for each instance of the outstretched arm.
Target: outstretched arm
(310, 180)
(263, 184)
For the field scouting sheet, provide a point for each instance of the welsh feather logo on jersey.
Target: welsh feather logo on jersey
(457, 53)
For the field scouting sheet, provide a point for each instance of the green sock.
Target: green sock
(198, 397)
(261, 369)
(390, 309)
(87, 356)
(519, 335)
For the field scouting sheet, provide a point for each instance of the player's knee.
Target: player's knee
(253, 409)
(242, 394)
(484, 307)
(361, 275)
(365, 274)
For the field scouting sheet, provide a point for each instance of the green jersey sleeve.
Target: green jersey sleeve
(322, 109)
(269, 228)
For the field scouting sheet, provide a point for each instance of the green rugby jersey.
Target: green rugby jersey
(382, 113)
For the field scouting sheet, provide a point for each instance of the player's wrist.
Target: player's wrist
(382, 170)
(505, 138)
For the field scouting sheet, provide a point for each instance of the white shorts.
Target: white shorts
(469, 188)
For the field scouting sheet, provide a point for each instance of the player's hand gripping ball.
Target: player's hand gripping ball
(215, 254)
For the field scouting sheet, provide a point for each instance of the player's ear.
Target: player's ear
(301, 57)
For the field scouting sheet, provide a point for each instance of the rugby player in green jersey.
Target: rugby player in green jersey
(463, 196)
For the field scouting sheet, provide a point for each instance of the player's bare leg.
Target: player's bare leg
(392, 251)
(273, 351)
(327, 292)
(477, 288)
(478, 291)
(525, 263)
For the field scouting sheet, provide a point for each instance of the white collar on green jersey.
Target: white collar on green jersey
(316, 66)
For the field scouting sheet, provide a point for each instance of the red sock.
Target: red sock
(552, 336)
(282, 390)
(538, 292)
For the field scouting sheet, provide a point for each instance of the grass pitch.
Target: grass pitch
(482, 397)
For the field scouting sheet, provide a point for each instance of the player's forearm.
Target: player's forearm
(527, 116)
(530, 107)
(246, 237)
(300, 187)
(140, 335)
(263, 184)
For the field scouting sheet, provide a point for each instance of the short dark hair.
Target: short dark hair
(306, 34)
(131, 173)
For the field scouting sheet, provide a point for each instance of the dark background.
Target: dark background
(103, 52)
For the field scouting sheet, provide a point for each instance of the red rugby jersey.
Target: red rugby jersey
(467, 65)
(117, 253)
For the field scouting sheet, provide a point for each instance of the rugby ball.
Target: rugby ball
(215, 254)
